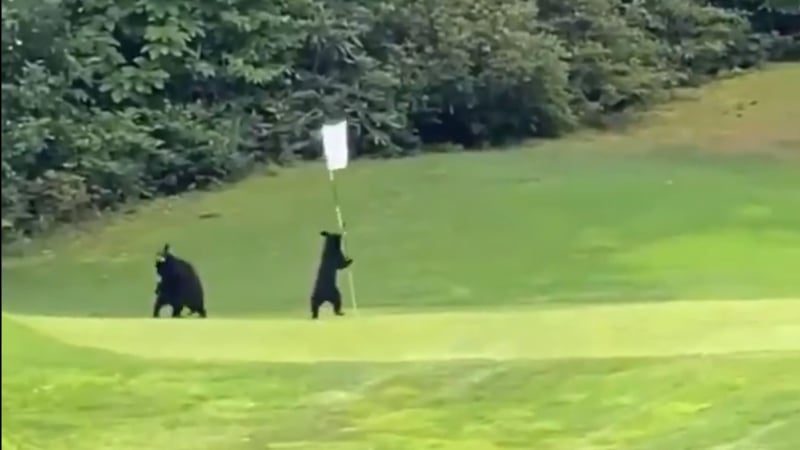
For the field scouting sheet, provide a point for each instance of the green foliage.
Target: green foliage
(614, 63)
(105, 101)
(702, 41)
(776, 21)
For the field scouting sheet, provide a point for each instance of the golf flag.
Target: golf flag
(334, 144)
(336, 149)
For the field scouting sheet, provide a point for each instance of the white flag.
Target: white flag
(334, 144)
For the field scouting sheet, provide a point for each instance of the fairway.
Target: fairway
(537, 226)
(620, 290)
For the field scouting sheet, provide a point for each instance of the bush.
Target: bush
(107, 102)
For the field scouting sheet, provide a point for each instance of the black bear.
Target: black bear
(331, 261)
(179, 285)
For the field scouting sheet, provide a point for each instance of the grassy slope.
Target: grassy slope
(746, 114)
(573, 221)
(452, 232)
(571, 226)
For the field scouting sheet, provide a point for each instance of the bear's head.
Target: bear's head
(333, 243)
(331, 237)
(164, 261)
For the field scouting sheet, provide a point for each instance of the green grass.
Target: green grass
(669, 329)
(533, 226)
(60, 397)
(613, 291)
(746, 114)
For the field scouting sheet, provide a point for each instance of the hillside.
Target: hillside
(618, 217)
(116, 103)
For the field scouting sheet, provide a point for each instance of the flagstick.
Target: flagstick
(344, 249)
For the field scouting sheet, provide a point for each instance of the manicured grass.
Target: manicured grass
(61, 397)
(570, 221)
(453, 231)
(508, 300)
(668, 329)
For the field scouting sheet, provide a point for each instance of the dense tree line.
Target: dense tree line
(107, 101)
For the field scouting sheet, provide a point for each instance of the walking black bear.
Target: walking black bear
(331, 262)
(179, 285)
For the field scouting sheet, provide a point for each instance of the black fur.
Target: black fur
(331, 261)
(179, 286)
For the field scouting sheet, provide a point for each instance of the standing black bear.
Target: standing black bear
(179, 285)
(332, 261)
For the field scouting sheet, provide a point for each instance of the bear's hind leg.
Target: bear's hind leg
(176, 310)
(157, 308)
(315, 309)
(201, 311)
(337, 308)
(337, 304)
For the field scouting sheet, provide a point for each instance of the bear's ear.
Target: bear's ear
(165, 251)
(324, 233)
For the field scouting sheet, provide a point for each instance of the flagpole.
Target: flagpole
(340, 219)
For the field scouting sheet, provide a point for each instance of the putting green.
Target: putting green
(630, 330)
